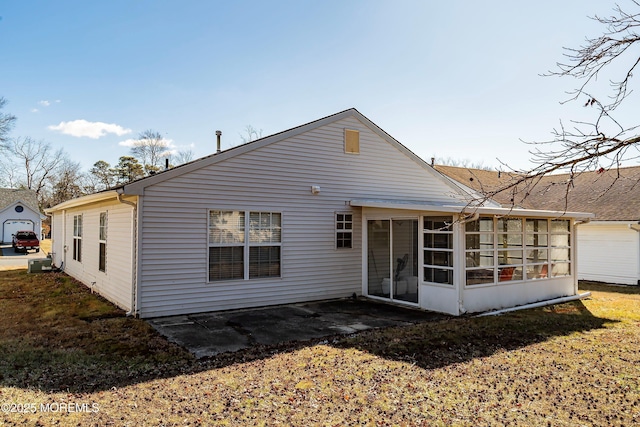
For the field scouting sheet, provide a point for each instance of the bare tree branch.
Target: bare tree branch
(7, 121)
(38, 161)
(251, 134)
(587, 62)
(151, 148)
(599, 144)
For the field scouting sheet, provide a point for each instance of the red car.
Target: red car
(23, 241)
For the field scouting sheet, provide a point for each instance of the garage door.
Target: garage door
(10, 227)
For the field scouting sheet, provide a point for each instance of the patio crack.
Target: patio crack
(242, 331)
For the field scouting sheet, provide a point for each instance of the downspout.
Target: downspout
(134, 278)
(554, 301)
(460, 241)
(636, 227)
(64, 239)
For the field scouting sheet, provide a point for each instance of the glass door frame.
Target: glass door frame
(391, 260)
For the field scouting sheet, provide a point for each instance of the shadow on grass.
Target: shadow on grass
(435, 345)
(57, 336)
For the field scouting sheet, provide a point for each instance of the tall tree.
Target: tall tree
(128, 169)
(150, 149)
(36, 161)
(7, 122)
(182, 157)
(103, 175)
(66, 183)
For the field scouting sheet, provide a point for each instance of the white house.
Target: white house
(608, 244)
(19, 211)
(325, 210)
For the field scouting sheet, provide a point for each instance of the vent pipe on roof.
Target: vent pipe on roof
(166, 163)
(218, 134)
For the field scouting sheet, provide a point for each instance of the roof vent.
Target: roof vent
(218, 135)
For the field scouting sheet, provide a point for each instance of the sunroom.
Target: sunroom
(456, 259)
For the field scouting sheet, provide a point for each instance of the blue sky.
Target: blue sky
(453, 79)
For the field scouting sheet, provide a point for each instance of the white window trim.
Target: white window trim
(422, 231)
(77, 238)
(343, 230)
(246, 244)
(103, 241)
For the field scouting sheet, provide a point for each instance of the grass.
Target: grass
(565, 365)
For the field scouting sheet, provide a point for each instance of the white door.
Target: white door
(10, 227)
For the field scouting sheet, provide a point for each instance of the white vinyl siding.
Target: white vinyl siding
(115, 283)
(273, 178)
(608, 253)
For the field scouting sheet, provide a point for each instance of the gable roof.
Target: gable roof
(612, 195)
(10, 196)
(137, 187)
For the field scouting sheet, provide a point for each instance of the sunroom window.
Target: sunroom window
(560, 248)
(438, 250)
(512, 249)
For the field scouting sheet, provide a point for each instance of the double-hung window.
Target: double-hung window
(77, 238)
(102, 242)
(264, 244)
(344, 230)
(244, 245)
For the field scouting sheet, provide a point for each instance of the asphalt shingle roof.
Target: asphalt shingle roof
(9, 196)
(612, 195)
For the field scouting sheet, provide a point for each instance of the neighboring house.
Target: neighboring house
(19, 211)
(328, 209)
(609, 245)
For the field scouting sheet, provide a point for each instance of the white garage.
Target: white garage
(19, 211)
(11, 226)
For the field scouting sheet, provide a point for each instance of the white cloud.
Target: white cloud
(131, 142)
(44, 103)
(128, 142)
(94, 130)
(34, 110)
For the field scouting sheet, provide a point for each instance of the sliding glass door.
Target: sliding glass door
(392, 255)
(378, 256)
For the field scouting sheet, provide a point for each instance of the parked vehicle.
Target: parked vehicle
(23, 241)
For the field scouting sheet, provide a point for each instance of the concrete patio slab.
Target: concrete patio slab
(208, 334)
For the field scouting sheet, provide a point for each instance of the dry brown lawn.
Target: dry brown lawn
(67, 357)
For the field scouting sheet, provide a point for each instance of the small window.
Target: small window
(102, 242)
(19, 208)
(351, 141)
(77, 238)
(344, 231)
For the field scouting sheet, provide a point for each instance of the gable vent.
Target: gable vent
(351, 141)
